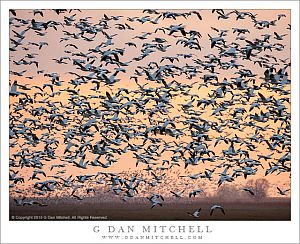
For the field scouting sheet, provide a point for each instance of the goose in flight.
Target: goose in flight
(195, 214)
(247, 189)
(155, 203)
(222, 14)
(221, 32)
(178, 194)
(79, 198)
(154, 200)
(38, 11)
(158, 178)
(208, 174)
(240, 31)
(83, 178)
(216, 41)
(272, 169)
(32, 202)
(279, 16)
(282, 192)
(279, 37)
(19, 202)
(40, 44)
(214, 207)
(265, 157)
(242, 15)
(195, 192)
(193, 177)
(39, 26)
(89, 190)
(13, 89)
(177, 28)
(13, 12)
(20, 35)
(35, 173)
(157, 196)
(196, 13)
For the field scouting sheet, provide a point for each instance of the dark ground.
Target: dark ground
(89, 209)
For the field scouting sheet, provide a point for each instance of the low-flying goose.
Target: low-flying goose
(214, 207)
(195, 214)
(282, 192)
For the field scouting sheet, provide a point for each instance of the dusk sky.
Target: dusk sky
(98, 64)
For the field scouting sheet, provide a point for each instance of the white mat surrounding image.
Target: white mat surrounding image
(150, 114)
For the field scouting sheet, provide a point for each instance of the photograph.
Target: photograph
(149, 114)
(133, 122)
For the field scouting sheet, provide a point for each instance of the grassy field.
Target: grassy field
(90, 209)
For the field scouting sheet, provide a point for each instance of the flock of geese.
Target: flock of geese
(218, 113)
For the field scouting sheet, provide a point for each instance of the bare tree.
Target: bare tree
(260, 187)
(228, 192)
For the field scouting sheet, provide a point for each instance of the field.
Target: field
(90, 209)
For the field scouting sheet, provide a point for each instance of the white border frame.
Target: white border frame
(82, 232)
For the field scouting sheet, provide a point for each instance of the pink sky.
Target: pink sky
(56, 49)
